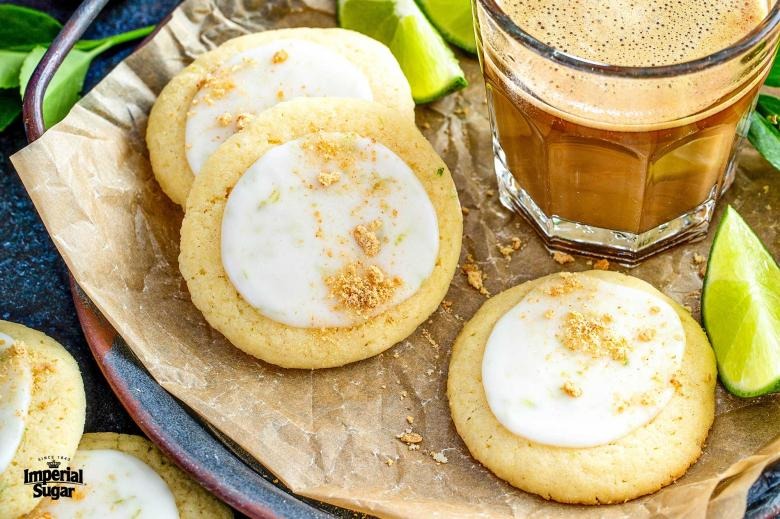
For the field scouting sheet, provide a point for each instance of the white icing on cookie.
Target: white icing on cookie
(581, 361)
(290, 228)
(15, 396)
(117, 485)
(259, 78)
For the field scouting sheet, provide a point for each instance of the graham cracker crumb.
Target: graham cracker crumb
(475, 276)
(280, 56)
(328, 178)
(280, 95)
(428, 337)
(698, 259)
(361, 290)
(414, 446)
(215, 85)
(410, 438)
(569, 283)
(367, 240)
(591, 335)
(549, 314)
(561, 258)
(446, 305)
(571, 389)
(465, 211)
(508, 249)
(389, 462)
(601, 264)
(647, 335)
(225, 119)
(410, 419)
(655, 309)
(675, 383)
(243, 120)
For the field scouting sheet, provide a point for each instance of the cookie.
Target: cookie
(55, 413)
(222, 90)
(140, 480)
(584, 388)
(323, 234)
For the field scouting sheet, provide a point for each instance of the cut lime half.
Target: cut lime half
(427, 62)
(741, 309)
(454, 21)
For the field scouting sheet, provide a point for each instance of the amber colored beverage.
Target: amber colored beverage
(619, 153)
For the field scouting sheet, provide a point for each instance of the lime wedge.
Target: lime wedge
(741, 309)
(427, 62)
(454, 21)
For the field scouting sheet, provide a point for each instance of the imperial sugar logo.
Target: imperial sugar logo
(54, 481)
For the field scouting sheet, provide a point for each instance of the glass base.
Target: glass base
(625, 248)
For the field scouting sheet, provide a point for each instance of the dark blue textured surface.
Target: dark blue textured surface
(33, 279)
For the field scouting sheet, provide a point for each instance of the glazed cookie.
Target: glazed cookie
(322, 234)
(222, 90)
(42, 411)
(583, 388)
(128, 476)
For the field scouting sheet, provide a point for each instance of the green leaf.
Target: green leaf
(765, 138)
(9, 107)
(116, 39)
(10, 65)
(63, 91)
(769, 107)
(23, 29)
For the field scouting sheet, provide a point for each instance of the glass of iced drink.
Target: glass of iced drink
(616, 122)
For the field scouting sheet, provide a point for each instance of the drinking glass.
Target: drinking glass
(616, 161)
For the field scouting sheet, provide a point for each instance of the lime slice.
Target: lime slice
(741, 309)
(427, 62)
(454, 21)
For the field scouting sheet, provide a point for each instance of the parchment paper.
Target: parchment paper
(328, 434)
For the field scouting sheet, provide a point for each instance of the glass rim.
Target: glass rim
(744, 44)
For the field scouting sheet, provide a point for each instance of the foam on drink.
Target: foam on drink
(637, 32)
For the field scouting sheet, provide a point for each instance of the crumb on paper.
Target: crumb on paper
(243, 120)
(475, 276)
(571, 389)
(328, 178)
(410, 437)
(439, 457)
(508, 249)
(366, 239)
(280, 56)
(602, 264)
(561, 258)
(361, 290)
(446, 305)
(429, 372)
(700, 262)
(404, 394)
(593, 336)
(410, 419)
(428, 337)
(389, 462)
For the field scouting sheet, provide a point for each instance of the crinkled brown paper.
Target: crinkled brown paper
(327, 434)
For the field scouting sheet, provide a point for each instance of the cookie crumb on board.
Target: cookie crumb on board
(508, 249)
(601, 264)
(561, 258)
(475, 276)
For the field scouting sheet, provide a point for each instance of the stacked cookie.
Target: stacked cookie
(320, 226)
(48, 469)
